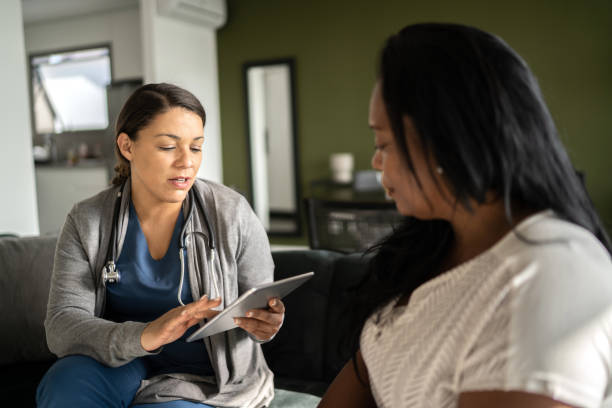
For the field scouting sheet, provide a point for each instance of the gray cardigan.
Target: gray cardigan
(77, 296)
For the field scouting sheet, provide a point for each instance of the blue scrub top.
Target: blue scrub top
(148, 288)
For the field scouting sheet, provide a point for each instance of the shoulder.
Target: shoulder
(220, 196)
(560, 306)
(557, 271)
(238, 228)
(551, 327)
(230, 210)
(552, 255)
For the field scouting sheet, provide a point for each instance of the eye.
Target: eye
(196, 149)
(166, 148)
(380, 146)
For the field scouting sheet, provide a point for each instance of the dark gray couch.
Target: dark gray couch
(304, 355)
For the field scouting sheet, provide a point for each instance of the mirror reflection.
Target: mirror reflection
(270, 107)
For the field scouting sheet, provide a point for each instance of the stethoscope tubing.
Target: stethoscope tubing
(110, 274)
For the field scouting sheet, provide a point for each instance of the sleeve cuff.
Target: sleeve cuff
(256, 340)
(133, 347)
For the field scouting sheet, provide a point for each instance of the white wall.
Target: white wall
(259, 156)
(185, 53)
(281, 169)
(18, 212)
(58, 188)
(120, 28)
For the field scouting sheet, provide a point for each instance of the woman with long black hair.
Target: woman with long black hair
(497, 290)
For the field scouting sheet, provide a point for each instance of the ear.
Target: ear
(125, 145)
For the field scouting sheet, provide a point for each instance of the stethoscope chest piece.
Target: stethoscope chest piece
(110, 273)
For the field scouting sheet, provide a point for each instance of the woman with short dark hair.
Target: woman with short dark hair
(140, 264)
(497, 290)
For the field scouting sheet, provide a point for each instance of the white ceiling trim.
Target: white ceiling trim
(35, 11)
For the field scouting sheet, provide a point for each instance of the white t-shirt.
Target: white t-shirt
(533, 317)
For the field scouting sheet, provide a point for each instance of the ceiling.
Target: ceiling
(35, 11)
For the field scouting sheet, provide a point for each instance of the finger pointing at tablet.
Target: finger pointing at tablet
(173, 324)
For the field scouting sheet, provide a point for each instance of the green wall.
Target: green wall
(568, 45)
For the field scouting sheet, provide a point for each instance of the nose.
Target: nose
(377, 160)
(184, 159)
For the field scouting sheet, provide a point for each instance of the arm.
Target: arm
(502, 399)
(347, 390)
(73, 328)
(253, 256)
(71, 325)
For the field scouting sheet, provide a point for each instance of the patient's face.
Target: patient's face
(424, 202)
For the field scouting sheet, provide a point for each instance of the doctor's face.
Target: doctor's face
(165, 157)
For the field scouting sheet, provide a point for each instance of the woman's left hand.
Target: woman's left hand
(263, 323)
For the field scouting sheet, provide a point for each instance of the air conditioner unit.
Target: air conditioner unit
(212, 13)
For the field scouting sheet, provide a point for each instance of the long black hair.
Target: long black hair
(478, 110)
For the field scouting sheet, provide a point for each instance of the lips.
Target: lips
(180, 182)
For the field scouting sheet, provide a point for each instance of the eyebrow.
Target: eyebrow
(175, 137)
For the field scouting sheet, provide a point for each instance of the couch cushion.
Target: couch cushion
(25, 273)
(19, 382)
(284, 398)
(316, 388)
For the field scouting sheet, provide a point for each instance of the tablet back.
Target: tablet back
(254, 298)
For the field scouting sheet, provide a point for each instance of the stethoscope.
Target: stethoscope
(110, 273)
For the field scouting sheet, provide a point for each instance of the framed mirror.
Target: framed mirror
(269, 88)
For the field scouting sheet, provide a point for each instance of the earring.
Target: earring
(439, 170)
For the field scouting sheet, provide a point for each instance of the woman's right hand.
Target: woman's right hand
(173, 324)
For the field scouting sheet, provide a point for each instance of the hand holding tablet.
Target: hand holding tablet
(264, 323)
(254, 298)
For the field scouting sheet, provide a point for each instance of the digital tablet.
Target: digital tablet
(254, 298)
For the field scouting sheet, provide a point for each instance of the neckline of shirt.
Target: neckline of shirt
(176, 230)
